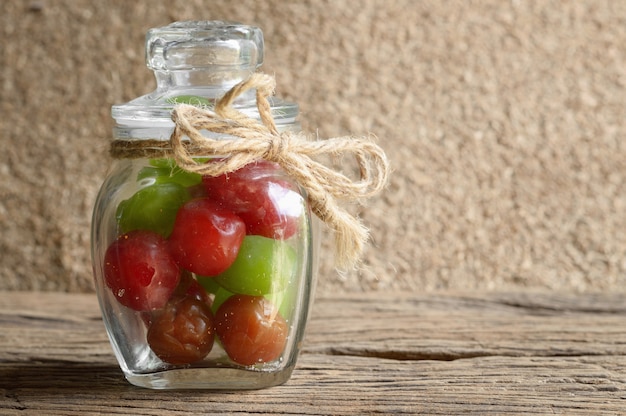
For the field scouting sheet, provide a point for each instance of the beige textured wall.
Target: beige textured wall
(504, 120)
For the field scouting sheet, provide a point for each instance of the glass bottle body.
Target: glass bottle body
(203, 282)
(177, 310)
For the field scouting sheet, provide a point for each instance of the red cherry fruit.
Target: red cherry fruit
(140, 271)
(251, 329)
(183, 332)
(206, 237)
(269, 206)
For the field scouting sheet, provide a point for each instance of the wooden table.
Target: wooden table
(372, 353)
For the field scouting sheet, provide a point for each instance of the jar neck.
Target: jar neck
(218, 80)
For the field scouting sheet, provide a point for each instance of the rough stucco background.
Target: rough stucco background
(504, 120)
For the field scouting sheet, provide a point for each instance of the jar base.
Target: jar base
(209, 379)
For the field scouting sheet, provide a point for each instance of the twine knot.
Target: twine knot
(242, 140)
(277, 147)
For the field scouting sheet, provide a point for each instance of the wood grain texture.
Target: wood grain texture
(371, 353)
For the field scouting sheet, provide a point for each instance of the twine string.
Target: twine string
(241, 140)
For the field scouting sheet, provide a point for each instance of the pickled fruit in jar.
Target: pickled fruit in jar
(268, 204)
(183, 260)
(152, 208)
(182, 333)
(263, 265)
(140, 271)
(166, 170)
(251, 329)
(206, 237)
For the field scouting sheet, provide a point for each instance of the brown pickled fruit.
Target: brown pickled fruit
(182, 333)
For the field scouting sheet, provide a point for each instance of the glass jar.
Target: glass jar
(203, 282)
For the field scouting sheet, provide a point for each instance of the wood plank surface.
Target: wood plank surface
(367, 353)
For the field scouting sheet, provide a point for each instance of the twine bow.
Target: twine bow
(294, 152)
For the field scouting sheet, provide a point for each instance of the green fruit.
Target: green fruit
(263, 265)
(166, 170)
(190, 99)
(209, 284)
(152, 208)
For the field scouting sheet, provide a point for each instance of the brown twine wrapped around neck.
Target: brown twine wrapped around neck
(293, 151)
